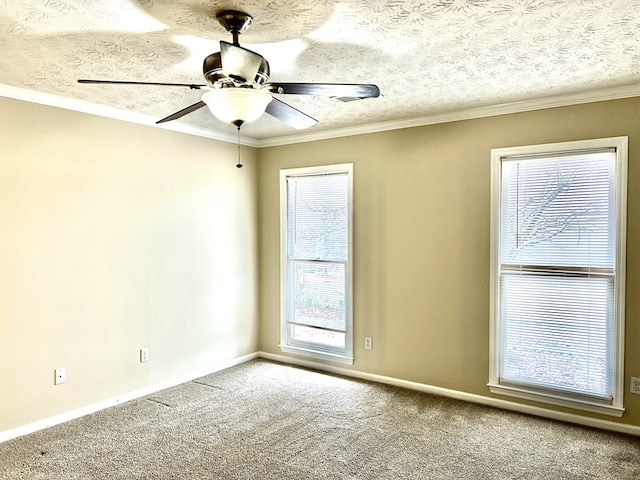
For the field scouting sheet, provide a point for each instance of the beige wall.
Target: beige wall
(422, 200)
(116, 236)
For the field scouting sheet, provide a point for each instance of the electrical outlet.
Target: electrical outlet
(367, 343)
(144, 354)
(59, 376)
(635, 385)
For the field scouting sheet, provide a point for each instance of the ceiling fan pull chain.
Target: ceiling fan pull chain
(239, 164)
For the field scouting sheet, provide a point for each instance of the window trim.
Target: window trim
(620, 144)
(346, 357)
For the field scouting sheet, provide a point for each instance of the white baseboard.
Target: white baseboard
(445, 392)
(469, 397)
(95, 407)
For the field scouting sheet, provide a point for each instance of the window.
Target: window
(316, 271)
(557, 273)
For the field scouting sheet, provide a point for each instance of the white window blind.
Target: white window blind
(557, 318)
(316, 261)
(317, 217)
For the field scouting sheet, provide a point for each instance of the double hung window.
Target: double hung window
(557, 279)
(316, 271)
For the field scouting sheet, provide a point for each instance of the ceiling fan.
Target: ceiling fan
(238, 87)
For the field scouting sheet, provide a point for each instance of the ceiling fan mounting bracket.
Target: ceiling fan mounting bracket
(234, 21)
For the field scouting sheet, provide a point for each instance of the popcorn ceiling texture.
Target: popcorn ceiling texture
(427, 56)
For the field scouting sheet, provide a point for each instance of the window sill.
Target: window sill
(558, 400)
(331, 357)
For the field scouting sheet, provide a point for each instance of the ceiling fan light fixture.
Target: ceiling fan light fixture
(237, 105)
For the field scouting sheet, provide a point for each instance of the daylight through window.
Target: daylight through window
(558, 273)
(316, 261)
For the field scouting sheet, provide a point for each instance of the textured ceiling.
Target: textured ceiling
(427, 56)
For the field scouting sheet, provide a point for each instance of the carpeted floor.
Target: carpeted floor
(262, 420)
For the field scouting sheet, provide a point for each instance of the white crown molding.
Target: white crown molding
(612, 93)
(41, 98)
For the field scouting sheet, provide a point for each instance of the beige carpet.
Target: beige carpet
(263, 420)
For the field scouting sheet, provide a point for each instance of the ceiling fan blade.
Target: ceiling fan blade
(238, 62)
(183, 112)
(119, 82)
(330, 89)
(290, 115)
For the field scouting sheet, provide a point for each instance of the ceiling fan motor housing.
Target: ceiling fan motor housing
(212, 71)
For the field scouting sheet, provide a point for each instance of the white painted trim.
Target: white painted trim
(48, 99)
(494, 254)
(620, 144)
(421, 387)
(328, 357)
(458, 395)
(556, 400)
(346, 356)
(612, 93)
(95, 407)
(622, 162)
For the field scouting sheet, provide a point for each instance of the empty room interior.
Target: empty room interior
(135, 257)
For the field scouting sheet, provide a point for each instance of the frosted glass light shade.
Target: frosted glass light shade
(237, 105)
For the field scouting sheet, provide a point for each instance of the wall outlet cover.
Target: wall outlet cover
(59, 376)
